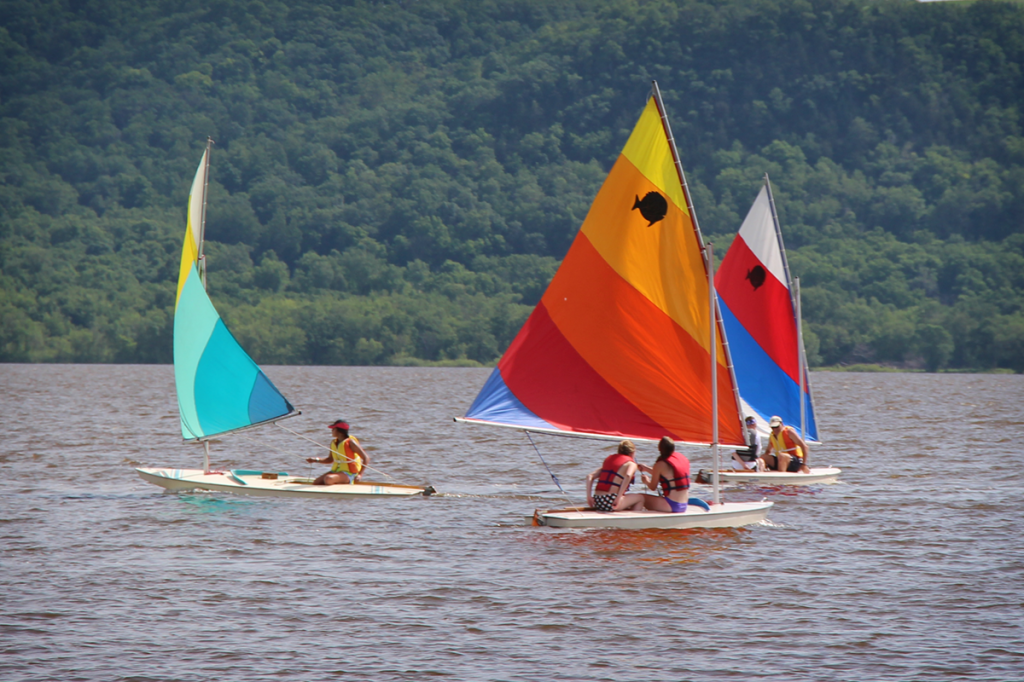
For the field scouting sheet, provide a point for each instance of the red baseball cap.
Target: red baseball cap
(339, 424)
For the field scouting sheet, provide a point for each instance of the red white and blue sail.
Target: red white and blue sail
(758, 311)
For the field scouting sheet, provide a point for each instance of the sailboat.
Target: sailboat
(760, 304)
(222, 391)
(625, 342)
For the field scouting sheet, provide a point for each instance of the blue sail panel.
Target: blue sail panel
(226, 379)
(762, 383)
(265, 401)
(496, 404)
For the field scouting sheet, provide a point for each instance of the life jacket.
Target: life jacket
(783, 442)
(610, 472)
(346, 460)
(680, 474)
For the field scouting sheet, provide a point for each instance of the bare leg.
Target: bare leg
(784, 461)
(631, 502)
(743, 465)
(331, 478)
(655, 503)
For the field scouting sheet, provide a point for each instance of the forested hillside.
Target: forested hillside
(395, 182)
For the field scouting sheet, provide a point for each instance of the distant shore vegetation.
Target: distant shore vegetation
(396, 182)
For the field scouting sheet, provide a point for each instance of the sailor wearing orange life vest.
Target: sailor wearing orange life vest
(348, 459)
(786, 450)
(613, 479)
(672, 472)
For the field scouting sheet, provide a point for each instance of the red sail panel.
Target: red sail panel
(764, 310)
(549, 377)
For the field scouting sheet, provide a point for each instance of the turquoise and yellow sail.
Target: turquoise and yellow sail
(220, 388)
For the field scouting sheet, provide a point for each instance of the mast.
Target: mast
(801, 358)
(708, 265)
(794, 293)
(201, 263)
(714, 376)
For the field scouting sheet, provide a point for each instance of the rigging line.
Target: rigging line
(328, 448)
(553, 477)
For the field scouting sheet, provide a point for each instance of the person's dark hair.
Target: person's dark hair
(666, 447)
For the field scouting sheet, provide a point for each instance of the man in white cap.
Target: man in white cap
(786, 450)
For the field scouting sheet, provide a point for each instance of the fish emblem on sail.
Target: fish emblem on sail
(619, 344)
(756, 275)
(653, 207)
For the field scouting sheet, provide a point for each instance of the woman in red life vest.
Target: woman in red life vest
(613, 479)
(347, 458)
(672, 472)
(786, 450)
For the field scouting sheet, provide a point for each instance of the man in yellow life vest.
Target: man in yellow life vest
(786, 450)
(348, 459)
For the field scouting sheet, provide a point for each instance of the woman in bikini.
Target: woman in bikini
(672, 472)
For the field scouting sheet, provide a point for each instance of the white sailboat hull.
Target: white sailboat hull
(818, 475)
(725, 515)
(253, 483)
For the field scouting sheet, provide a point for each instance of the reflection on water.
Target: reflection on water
(909, 568)
(650, 545)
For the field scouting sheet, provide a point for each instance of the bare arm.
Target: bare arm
(322, 460)
(591, 477)
(358, 449)
(654, 479)
(801, 443)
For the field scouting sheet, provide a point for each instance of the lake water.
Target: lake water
(911, 568)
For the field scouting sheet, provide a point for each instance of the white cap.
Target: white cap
(775, 421)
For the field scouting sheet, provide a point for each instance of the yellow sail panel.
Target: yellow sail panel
(648, 149)
(190, 249)
(662, 260)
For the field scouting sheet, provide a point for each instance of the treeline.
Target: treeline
(394, 182)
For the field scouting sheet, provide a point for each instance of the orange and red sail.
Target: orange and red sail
(619, 345)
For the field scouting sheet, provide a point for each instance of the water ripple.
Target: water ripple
(909, 568)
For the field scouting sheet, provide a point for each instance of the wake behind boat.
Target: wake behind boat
(626, 342)
(221, 390)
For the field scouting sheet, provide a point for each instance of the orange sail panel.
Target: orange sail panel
(619, 344)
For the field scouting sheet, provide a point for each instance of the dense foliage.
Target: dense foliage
(394, 182)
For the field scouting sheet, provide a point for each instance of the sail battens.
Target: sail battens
(619, 345)
(220, 388)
